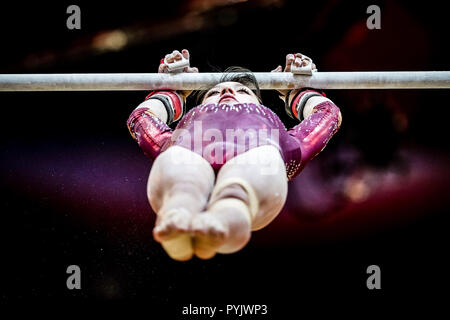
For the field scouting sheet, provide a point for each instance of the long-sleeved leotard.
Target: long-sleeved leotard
(220, 132)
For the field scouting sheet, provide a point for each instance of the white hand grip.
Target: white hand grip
(177, 66)
(303, 69)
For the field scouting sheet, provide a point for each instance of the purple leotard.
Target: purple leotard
(220, 132)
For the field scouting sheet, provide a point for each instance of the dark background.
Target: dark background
(73, 181)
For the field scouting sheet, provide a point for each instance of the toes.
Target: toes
(164, 232)
(206, 244)
(172, 224)
(209, 227)
(209, 234)
(203, 249)
(180, 218)
(179, 248)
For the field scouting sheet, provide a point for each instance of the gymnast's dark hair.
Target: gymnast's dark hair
(234, 74)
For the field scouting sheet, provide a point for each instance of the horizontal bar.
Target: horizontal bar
(195, 81)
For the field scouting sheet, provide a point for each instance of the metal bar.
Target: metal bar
(196, 81)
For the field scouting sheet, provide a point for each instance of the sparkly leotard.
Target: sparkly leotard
(220, 132)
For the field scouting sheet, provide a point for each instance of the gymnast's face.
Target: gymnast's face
(231, 93)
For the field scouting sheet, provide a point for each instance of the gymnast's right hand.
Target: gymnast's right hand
(177, 56)
(174, 57)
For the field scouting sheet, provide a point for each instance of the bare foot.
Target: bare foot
(172, 224)
(209, 234)
(180, 247)
(224, 227)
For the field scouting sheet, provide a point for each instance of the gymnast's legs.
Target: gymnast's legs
(196, 216)
(179, 186)
(249, 192)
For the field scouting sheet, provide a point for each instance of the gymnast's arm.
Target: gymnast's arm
(321, 120)
(148, 123)
(147, 126)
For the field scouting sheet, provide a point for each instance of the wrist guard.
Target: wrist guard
(294, 106)
(174, 103)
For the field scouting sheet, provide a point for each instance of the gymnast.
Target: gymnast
(224, 171)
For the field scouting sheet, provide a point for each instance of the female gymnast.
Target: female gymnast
(223, 172)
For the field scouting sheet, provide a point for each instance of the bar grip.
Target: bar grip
(177, 66)
(307, 70)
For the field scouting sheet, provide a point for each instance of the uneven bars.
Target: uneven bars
(195, 81)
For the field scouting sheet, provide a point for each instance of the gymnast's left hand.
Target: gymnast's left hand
(299, 60)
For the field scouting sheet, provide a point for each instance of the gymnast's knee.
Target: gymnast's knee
(170, 175)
